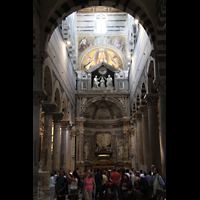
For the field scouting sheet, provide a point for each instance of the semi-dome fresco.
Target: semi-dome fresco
(101, 55)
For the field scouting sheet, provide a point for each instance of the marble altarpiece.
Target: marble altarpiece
(102, 126)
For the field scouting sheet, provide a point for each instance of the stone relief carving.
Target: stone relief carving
(83, 101)
(122, 101)
(103, 139)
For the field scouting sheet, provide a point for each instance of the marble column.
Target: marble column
(154, 143)
(37, 97)
(48, 109)
(56, 141)
(80, 131)
(145, 136)
(64, 145)
(135, 153)
(138, 116)
(72, 149)
(161, 85)
(68, 158)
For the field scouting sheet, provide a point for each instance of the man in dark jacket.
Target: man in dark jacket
(60, 185)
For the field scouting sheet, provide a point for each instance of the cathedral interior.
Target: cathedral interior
(99, 86)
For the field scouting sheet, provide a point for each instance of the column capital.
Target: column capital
(64, 123)
(160, 84)
(80, 121)
(138, 115)
(57, 117)
(143, 110)
(151, 99)
(49, 108)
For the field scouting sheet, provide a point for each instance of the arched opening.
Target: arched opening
(103, 136)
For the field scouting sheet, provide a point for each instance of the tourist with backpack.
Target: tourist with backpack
(158, 181)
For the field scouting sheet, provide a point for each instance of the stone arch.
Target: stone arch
(47, 83)
(57, 96)
(115, 101)
(133, 7)
(64, 106)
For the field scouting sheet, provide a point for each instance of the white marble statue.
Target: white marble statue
(102, 82)
(109, 82)
(95, 82)
(86, 150)
(120, 152)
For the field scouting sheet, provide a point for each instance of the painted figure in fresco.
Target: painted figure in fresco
(95, 82)
(101, 56)
(118, 44)
(83, 43)
(109, 82)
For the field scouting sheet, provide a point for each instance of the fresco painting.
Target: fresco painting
(101, 55)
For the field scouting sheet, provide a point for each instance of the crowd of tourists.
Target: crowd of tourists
(104, 182)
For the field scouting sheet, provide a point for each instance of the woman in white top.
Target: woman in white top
(52, 186)
(73, 186)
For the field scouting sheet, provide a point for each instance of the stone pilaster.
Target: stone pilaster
(145, 136)
(135, 155)
(154, 143)
(138, 117)
(57, 117)
(114, 145)
(37, 98)
(161, 85)
(80, 142)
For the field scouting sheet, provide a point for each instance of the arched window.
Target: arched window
(101, 22)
